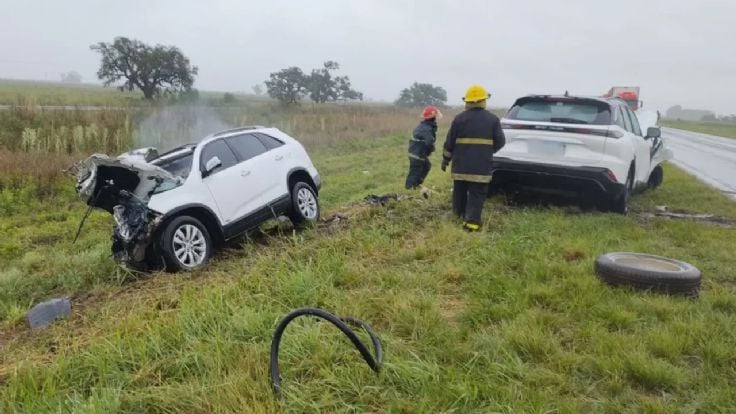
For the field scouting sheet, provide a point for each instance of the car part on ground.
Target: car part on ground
(381, 200)
(45, 313)
(648, 272)
(373, 360)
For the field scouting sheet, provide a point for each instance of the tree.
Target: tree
(71, 77)
(323, 87)
(152, 69)
(287, 86)
(422, 94)
(257, 89)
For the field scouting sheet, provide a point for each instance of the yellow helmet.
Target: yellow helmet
(476, 93)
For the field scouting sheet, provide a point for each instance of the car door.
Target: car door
(222, 179)
(259, 173)
(281, 156)
(643, 147)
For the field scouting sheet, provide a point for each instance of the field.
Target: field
(721, 129)
(511, 320)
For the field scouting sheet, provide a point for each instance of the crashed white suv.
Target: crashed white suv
(592, 147)
(172, 210)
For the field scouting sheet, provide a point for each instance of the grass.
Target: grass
(508, 320)
(718, 128)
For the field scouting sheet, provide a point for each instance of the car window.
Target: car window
(218, 149)
(246, 146)
(627, 121)
(178, 167)
(618, 118)
(566, 111)
(269, 141)
(634, 121)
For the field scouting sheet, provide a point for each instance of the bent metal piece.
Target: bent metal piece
(340, 323)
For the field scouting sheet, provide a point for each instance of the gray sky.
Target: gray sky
(679, 52)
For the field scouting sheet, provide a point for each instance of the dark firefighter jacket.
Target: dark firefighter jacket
(474, 136)
(422, 141)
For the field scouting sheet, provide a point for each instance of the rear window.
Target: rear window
(564, 111)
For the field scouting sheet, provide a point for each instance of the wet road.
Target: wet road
(712, 159)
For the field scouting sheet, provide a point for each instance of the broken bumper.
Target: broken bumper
(135, 226)
(554, 179)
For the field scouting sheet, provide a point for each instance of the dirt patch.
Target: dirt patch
(705, 218)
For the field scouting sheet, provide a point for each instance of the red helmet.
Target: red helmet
(431, 111)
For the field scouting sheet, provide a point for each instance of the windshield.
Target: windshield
(565, 111)
(178, 167)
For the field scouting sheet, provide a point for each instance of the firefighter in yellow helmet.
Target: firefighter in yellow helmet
(474, 136)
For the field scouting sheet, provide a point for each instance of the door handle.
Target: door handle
(245, 173)
(279, 157)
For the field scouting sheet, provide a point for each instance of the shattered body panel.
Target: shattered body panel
(123, 187)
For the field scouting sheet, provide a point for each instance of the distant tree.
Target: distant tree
(229, 98)
(287, 86)
(323, 87)
(422, 94)
(709, 117)
(71, 77)
(257, 89)
(152, 69)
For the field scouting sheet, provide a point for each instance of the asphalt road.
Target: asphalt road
(712, 159)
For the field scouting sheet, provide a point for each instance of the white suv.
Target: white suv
(173, 209)
(581, 146)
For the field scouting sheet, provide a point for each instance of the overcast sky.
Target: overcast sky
(679, 52)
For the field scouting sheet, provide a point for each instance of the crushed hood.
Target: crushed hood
(101, 179)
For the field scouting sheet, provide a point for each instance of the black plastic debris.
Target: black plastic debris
(382, 200)
(374, 360)
(46, 313)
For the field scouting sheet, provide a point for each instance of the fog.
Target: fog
(678, 52)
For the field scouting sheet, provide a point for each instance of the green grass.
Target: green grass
(511, 320)
(721, 129)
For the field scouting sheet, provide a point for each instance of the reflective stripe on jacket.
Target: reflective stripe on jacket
(422, 141)
(474, 136)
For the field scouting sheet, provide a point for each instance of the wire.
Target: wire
(340, 323)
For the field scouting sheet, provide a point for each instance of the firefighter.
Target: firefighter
(474, 136)
(421, 146)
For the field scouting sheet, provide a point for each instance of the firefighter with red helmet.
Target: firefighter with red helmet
(421, 146)
(474, 136)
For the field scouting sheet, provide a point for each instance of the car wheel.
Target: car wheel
(185, 244)
(656, 177)
(304, 204)
(621, 203)
(647, 272)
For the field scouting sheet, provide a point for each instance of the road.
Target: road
(712, 159)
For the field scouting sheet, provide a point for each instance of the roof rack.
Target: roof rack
(239, 129)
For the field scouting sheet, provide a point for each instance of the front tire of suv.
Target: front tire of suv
(656, 177)
(304, 205)
(185, 244)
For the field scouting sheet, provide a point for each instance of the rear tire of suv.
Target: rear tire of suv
(185, 244)
(620, 204)
(304, 205)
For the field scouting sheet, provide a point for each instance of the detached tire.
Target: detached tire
(648, 272)
(304, 205)
(185, 244)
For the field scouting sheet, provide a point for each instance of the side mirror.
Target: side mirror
(653, 132)
(211, 164)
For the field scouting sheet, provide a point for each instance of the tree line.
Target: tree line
(162, 70)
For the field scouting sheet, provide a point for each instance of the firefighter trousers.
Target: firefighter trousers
(468, 199)
(418, 170)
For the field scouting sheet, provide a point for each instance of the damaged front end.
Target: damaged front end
(123, 186)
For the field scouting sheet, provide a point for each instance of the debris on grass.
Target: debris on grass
(373, 360)
(46, 313)
(382, 200)
(663, 211)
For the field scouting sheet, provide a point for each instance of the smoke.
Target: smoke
(172, 126)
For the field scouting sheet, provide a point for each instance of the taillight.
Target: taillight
(612, 176)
